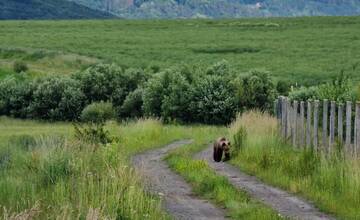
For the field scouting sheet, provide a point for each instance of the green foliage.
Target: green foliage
(92, 133)
(212, 101)
(57, 98)
(304, 93)
(20, 66)
(256, 90)
(239, 140)
(15, 97)
(283, 87)
(176, 98)
(132, 106)
(101, 82)
(339, 89)
(98, 112)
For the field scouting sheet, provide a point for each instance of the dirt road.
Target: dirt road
(284, 203)
(177, 194)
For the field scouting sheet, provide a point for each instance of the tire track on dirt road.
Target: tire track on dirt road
(177, 195)
(281, 201)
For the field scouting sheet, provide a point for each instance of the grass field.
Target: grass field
(47, 174)
(298, 49)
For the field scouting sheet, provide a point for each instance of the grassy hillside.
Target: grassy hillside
(47, 9)
(302, 49)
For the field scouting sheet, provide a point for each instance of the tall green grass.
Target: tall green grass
(46, 173)
(333, 183)
(209, 185)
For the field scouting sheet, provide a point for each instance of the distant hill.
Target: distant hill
(47, 9)
(223, 8)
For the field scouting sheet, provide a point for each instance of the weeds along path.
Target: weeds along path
(286, 204)
(177, 194)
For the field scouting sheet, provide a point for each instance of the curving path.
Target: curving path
(177, 194)
(286, 204)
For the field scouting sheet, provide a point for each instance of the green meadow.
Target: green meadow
(304, 50)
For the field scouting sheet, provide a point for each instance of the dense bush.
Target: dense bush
(212, 100)
(20, 66)
(339, 89)
(57, 98)
(283, 87)
(182, 93)
(15, 97)
(132, 106)
(101, 82)
(98, 112)
(255, 91)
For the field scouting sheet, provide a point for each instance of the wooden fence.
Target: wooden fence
(320, 125)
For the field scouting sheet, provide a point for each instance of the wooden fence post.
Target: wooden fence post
(357, 130)
(316, 125)
(340, 123)
(325, 125)
(308, 125)
(332, 126)
(283, 117)
(294, 132)
(348, 127)
(302, 130)
(288, 118)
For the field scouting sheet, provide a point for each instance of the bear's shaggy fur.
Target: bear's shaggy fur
(221, 145)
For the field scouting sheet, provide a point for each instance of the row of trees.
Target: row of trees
(184, 94)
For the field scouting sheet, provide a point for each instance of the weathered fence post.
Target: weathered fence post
(316, 125)
(357, 130)
(302, 130)
(294, 131)
(325, 125)
(332, 126)
(288, 118)
(348, 127)
(308, 125)
(340, 123)
(283, 116)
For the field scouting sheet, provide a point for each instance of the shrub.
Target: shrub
(221, 68)
(175, 104)
(92, 133)
(339, 89)
(57, 98)
(255, 90)
(212, 100)
(15, 97)
(303, 93)
(98, 112)
(153, 95)
(283, 87)
(101, 82)
(20, 66)
(132, 106)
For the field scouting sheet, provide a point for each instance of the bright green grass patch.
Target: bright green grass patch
(207, 184)
(333, 183)
(308, 49)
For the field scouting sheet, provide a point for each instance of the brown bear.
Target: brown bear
(221, 145)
